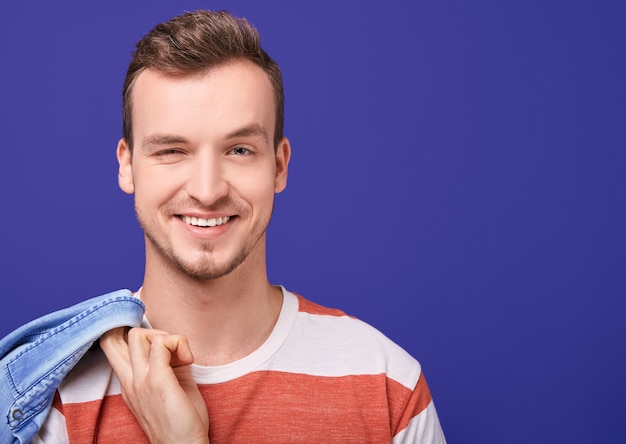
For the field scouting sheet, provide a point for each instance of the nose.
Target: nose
(207, 183)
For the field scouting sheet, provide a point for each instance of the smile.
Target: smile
(200, 222)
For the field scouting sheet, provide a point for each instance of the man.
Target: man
(222, 355)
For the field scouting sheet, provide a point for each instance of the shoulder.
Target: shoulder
(339, 344)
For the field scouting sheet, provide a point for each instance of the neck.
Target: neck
(224, 319)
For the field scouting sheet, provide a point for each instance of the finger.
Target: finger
(171, 350)
(139, 349)
(174, 351)
(181, 354)
(115, 348)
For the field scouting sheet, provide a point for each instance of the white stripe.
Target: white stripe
(53, 430)
(89, 380)
(423, 428)
(340, 346)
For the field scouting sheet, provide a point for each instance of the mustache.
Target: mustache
(223, 204)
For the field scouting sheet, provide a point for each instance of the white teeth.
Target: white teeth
(199, 222)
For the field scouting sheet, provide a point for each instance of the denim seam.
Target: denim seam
(70, 322)
(33, 411)
(57, 330)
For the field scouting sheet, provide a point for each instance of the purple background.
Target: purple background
(457, 181)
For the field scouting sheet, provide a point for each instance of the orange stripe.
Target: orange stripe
(307, 306)
(109, 419)
(56, 402)
(276, 407)
(403, 410)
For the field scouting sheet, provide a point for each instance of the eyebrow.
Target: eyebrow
(252, 130)
(156, 140)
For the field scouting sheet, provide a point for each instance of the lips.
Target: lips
(201, 222)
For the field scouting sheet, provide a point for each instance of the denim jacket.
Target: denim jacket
(36, 357)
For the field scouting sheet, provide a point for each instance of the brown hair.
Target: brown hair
(195, 42)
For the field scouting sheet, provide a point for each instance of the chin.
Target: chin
(205, 269)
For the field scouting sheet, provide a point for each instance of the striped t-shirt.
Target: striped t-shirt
(321, 376)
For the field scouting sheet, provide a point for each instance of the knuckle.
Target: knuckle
(158, 340)
(134, 333)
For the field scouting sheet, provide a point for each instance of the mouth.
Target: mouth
(200, 222)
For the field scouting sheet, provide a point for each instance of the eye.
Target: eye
(168, 152)
(169, 155)
(240, 151)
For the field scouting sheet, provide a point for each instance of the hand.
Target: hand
(153, 368)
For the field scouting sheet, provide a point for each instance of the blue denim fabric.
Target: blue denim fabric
(36, 357)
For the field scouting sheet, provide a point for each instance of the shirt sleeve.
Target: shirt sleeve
(419, 422)
(423, 428)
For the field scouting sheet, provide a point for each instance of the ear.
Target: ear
(283, 154)
(125, 173)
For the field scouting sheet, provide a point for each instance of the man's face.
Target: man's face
(203, 169)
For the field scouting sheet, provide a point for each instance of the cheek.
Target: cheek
(253, 181)
(257, 187)
(154, 188)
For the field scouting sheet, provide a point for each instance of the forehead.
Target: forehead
(211, 102)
